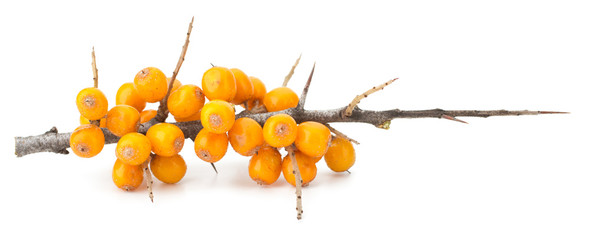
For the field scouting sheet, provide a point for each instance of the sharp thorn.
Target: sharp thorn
(212, 64)
(348, 172)
(551, 112)
(453, 118)
(215, 168)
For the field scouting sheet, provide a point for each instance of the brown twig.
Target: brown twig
(287, 78)
(148, 179)
(298, 181)
(340, 134)
(94, 69)
(357, 99)
(162, 111)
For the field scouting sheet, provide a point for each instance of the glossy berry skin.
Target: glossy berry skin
(87, 140)
(259, 93)
(84, 120)
(280, 99)
(218, 83)
(209, 146)
(280, 130)
(265, 166)
(122, 119)
(147, 115)
(245, 87)
(306, 165)
(341, 155)
(246, 136)
(128, 95)
(151, 84)
(133, 148)
(127, 177)
(186, 101)
(194, 117)
(166, 139)
(313, 138)
(217, 116)
(92, 103)
(168, 169)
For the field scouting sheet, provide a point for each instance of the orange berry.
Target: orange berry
(217, 116)
(151, 84)
(209, 146)
(92, 103)
(259, 93)
(177, 84)
(186, 101)
(84, 120)
(245, 87)
(133, 148)
(128, 95)
(122, 119)
(312, 138)
(265, 166)
(127, 177)
(194, 117)
(166, 139)
(147, 115)
(280, 130)
(341, 155)
(87, 140)
(280, 99)
(218, 83)
(306, 165)
(246, 136)
(168, 169)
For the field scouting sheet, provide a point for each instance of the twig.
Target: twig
(340, 134)
(94, 69)
(357, 99)
(287, 78)
(57, 143)
(148, 179)
(162, 111)
(303, 97)
(298, 181)
(215, 168)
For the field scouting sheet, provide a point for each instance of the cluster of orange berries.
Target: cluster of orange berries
(224, 88)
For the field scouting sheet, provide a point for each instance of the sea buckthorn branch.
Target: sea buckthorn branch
(298, 181)
(162, 111)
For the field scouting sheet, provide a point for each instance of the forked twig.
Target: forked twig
(357, 99)
(162, 111)
(287, 78)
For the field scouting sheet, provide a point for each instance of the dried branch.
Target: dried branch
(148, 179)
(357, 99)
(162, 111)
(94, 69)
(340, 134)
(59, 142)
(287, 78)
(298, 181)
(303, 97)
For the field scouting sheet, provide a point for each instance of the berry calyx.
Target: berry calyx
(280, 130)
(133, 148)
(217, 116)
(209, 146)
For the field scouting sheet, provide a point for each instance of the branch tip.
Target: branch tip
(292, 70)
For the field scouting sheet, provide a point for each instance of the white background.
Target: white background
(497, 178)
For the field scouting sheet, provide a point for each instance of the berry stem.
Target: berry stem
(292, 70)
(162, 111)
(298, 181)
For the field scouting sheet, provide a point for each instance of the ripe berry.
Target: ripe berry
(194, 117)
(128, 95)
(186, 101)
(166, 139)
(147, 115)
(92, 103)
(168, 169)
(87, 140)
(245, 87)
(265, 166)
(84, 120)
(313, 138)
(122, 119)
(218, 83)
(341, 155)
(151, 84)
(259, 93)
(217, 116)
(133, 148)
(306, 167)
(127, 177)
(209, 146)
(280, 99)
(246, 136)
(280, 130)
